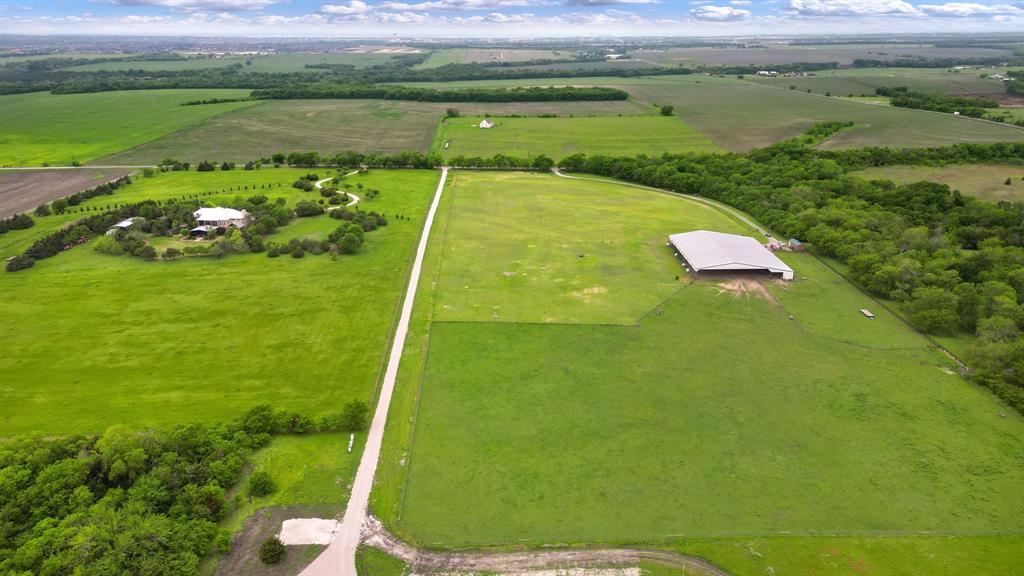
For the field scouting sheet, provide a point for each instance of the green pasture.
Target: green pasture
(782, 429)
(294, 62)
(307, 469)
(7, 59)
(43, 128)
(985, 181)
(551, 262)
(788, 54)
(560, 137)
(864, 81)
(93, 340)
(329, 126)
(489, 55)
(738, 115)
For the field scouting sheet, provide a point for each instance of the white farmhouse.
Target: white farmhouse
(209, 219)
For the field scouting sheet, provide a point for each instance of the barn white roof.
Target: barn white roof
(217, 214)
(707, 250)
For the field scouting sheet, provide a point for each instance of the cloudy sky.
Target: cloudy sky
(504, 18)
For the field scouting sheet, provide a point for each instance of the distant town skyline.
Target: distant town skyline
(504, 18)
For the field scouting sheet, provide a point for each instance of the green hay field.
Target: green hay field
(986, 181)
(560, 137)
(738, 115)
(785, 54)
(716, 425)
(329, 126)
(485, 55)
(41, 127)
(92, 340)
(864, 81)
(274, 63)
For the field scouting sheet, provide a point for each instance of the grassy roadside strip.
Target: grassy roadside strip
(389, 484)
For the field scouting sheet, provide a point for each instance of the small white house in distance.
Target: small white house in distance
(122, 225)
(706, 252)
(486, 123)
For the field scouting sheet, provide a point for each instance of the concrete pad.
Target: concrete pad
(302, 531)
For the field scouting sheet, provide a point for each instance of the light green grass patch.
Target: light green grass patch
(489, 55)
(717, 417)
(94, 340)
(568, 250)
(58, 129)
(306, 469)
(372, 562)
(295, 62)
(560, 137)
(985, 181)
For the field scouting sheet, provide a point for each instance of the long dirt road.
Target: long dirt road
(339, 559)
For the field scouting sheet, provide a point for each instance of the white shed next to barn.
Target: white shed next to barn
(707, 251)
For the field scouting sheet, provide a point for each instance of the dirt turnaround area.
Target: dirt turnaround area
(23, 190)
(425, 561)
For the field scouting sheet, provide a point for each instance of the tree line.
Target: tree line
(137, 501)
(391, 92)
(901, 97)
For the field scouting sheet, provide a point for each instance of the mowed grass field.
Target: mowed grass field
(985, 181)
(712, 423)
(784, 54)
(258, 63)
(560, 137)
(476, 55)
(43, 128)
(93, 340)
(864, 81)
(329, 126)
(738, 115)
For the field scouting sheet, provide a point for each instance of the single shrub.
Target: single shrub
(272, 551)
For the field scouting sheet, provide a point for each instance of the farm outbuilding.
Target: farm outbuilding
(706, 252)
(486, 123)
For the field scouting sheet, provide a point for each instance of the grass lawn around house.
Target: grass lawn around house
(563, 136)
(44, 128)
(985, 181)
(715, 425)
(94, 340)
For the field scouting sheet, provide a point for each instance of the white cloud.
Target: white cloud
(430, 5)
(586, 3)
(969, 9)
(719, 13)
(353, 7)
(740, 2)
(200, 5)
(850, 7)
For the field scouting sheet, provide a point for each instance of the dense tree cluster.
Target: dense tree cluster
(16, 222)
(133, 502)
(952, 262)
(965, 106)
(394, 92)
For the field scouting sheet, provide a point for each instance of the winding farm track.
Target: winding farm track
(374, 534)
(339, 559)
(355, 199)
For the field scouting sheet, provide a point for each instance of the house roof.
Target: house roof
(218, 214)
(707, 250)
(126, 223)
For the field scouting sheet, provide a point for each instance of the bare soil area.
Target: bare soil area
(244, 556)
(23, 190)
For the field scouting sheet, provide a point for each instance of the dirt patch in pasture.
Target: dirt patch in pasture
(748, 287)
(23, 190)
(244, 555)
(587, 294)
